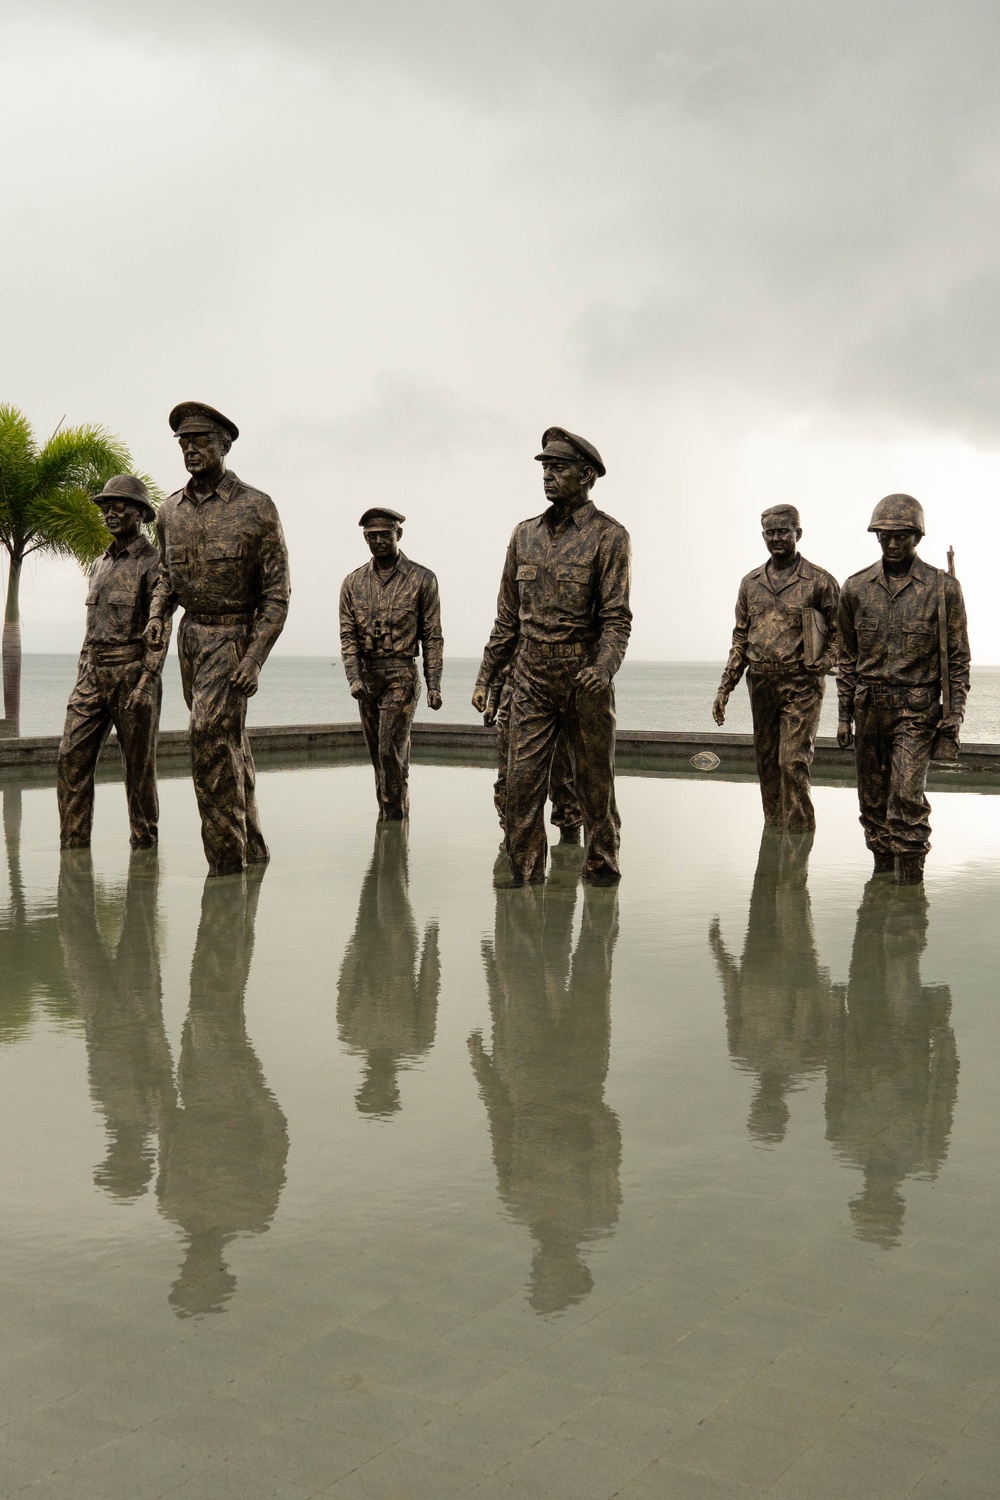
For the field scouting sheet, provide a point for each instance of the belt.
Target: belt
(888, 691)
(559, 648)
(112, 656)
(775, 668)
(377, 659)
(228, 617)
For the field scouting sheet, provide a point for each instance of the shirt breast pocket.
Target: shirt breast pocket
(527, 575)
(573, 581)
(177, 563)
(223, 566)
(867, 629)
(919, 640)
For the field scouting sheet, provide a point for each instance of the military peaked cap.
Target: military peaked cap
(558, 443)
(127, 487)
(195, 416)
(381, 511)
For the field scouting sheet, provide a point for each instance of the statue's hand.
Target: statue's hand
(153, 634)
(357, 688)
(246, 676)
(141, 693)
(434, 699)
(950, 724)
(593, 679)
(845, 734)
(719, 706)
(479, 700)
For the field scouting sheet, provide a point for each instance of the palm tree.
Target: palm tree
(45, 506)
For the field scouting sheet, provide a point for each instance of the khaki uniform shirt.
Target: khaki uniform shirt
(893, 639)
(564, 586)
(394, 616)
(225, 554)
(120, 597)
(769, 631)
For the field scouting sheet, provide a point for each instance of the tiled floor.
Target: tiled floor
(362, 1180)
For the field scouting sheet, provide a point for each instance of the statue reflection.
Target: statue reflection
(892, 1072)
(119, 996)
(32, 972)
(223, 1158)
(556, 1143)
(387, 994)
(778, 1000)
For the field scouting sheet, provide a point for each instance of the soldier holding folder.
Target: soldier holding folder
(785, 640)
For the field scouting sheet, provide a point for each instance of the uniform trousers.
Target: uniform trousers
(392, 691)
(894, 731)
(96, 703)
(545, 704)
(786, 707)
(222, 766)
(566, 810)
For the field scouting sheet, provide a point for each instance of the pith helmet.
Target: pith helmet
(196, 416)
(898, 513)
(127, 487)
(557, 442)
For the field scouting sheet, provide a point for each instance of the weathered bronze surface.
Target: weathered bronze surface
(389, 612)
(119, 676)
(556, 1142)
(890, 681)
(567, 814)
(785, 640)
(387, 994)
(225, 562)
(563, 620)
(892, 1069)
(778, 999)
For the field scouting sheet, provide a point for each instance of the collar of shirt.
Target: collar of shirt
(785, 579)
(133, 549)
(919, 573)
(402, 566)
(224, 489)
(581, 516)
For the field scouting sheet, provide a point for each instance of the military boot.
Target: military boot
(885, 864)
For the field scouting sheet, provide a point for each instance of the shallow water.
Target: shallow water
(364, 1178)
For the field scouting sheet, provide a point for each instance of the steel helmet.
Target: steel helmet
(898, 513)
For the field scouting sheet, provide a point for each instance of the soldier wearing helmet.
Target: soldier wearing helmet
(118, 681)
(785, 641)
(894, 617)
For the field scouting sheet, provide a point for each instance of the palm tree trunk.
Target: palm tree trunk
(10, 726)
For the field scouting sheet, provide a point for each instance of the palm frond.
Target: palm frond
(18, 456)
(66, 521)
(81, 456)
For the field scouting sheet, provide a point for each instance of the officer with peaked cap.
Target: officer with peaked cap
(785, 641)
(563, 618)
(903, 635)
(390, 612)
(119, 676)
(225, 562)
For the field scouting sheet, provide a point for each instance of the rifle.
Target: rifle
(945, 746)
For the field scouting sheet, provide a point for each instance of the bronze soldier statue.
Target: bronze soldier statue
(567, 815)
(225, 561)
(119, 677)
(903, 638)
(785, 640)
(389, 612)
(563, 619)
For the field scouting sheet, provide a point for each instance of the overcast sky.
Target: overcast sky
(748, 249)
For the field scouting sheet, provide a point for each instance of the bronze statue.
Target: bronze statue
(225, 562)
(779, 1001)
(563, 621)
(903, 639)
(892, 1068)
(389, 612)
(119, 676)
(387, 994)
(567, 815)
(223, 1158)
(785, 641)
(556, 1142)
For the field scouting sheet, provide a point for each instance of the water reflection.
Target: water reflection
(387, 994)
(892, 1071)
(556, 1143)
(119, 993)
(224, 1152)
(778, 999)
(32, 973)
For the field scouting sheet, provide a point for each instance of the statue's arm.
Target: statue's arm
(431, 635)
(503, 637)
(614, 617)
(275, 587)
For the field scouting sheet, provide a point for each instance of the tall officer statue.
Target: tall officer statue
(563, 616)
(118, 681)
(904, 645)
(785, 640)
(225, 561)
(390, 611)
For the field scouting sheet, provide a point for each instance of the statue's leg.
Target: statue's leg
(218, 727)
(88, 724)
(534, 724)
(873, 760)
(590, 731)
(908, 810)
(368, 708)
(503, 752)
(566, 810)
(766, 711)
(137, 731)
(397, 706)
(801, 705)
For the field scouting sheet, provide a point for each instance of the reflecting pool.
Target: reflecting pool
(356, 1176)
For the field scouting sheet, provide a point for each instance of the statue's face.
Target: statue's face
(898, 546)
(203, 451)
(565, 481)
(123, 520)
(383, 541)
(781, 541)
